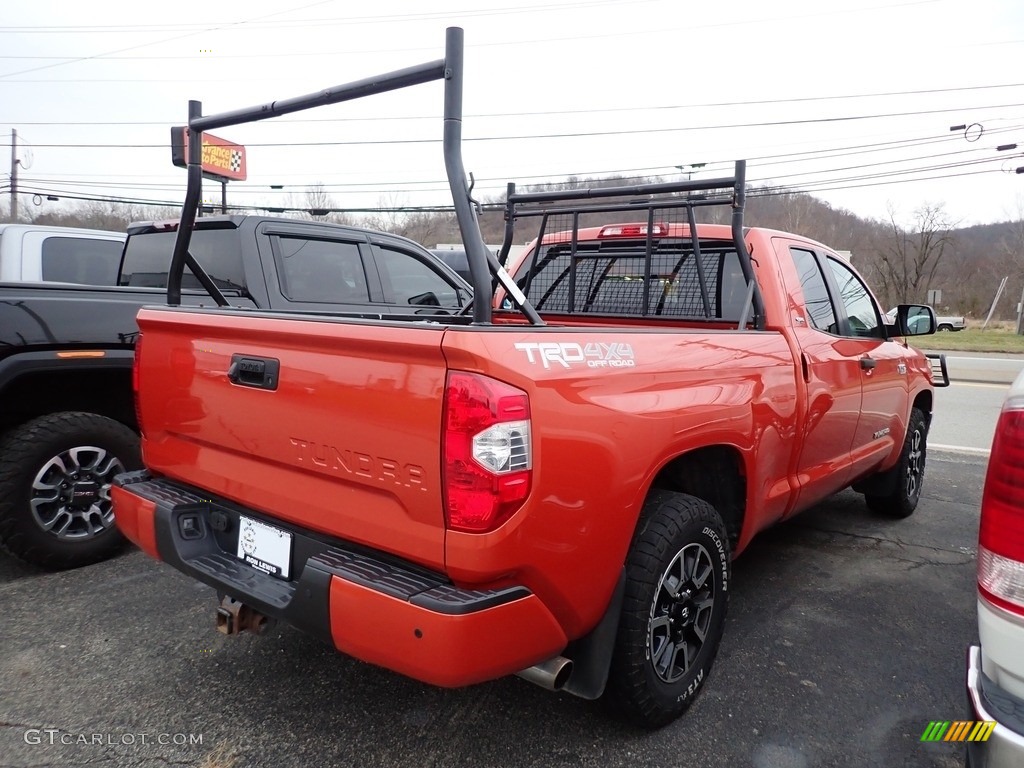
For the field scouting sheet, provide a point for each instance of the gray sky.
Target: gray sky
(851, 100)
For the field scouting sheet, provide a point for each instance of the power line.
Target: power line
(440, 185)
(766, 191)
(488, 183)
(861, 149)
(569, 135)
(838, 186)
(257, 24)
(533, 40)
(822, 185)
(253, 24)
(883, 174)
(654, 168)
(158, 42)
(559, 112)
(338, 20)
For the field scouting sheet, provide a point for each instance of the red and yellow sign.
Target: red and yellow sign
(222, 159)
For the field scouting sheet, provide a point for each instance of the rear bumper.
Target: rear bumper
(1005, 747)
(367, 604)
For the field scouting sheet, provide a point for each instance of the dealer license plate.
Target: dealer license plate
(264, 547)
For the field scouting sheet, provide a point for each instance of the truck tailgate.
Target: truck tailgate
(342, 440)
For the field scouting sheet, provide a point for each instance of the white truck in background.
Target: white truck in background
(942, 322)
(37, 253)
(950, 323)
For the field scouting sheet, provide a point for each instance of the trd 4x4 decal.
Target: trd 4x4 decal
(566, 354)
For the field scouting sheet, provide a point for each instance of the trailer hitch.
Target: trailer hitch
(233, 617)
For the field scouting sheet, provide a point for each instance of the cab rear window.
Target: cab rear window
(610, 278)
(87, 260)
(148, 257)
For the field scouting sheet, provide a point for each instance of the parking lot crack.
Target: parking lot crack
(965, 554)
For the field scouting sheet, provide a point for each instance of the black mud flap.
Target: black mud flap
(592, 655)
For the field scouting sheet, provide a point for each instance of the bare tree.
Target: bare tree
(320, 205)
(907, 259)
(388, 217)
(425, 227)
(102, 215)
(318, 201)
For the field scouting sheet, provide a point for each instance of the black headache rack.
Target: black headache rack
(482, 263)
(940, 373)
(656, 267)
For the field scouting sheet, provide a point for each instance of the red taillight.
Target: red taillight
(135, 380)
(632, 230)
(1001, 535)
(487, 451)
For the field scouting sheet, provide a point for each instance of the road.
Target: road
(846, 636)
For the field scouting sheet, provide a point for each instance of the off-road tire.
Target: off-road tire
(648, 683)
(910, 472)
(41, 453)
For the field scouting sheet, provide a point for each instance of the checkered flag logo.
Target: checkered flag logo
(236, 160)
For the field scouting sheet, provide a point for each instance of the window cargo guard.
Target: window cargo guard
(655, 196)
(482, 263)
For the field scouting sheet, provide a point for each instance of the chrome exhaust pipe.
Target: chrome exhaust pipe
(552, 674)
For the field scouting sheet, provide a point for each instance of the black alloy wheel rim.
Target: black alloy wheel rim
(681, 613)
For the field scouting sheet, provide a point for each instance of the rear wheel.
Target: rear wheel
(673, 613)
(55, 478)
(910, 472)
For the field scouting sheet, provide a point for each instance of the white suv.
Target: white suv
(995, 670)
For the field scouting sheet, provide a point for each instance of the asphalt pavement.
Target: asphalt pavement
(846, 636)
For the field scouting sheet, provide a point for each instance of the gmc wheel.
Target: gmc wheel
(55, 477)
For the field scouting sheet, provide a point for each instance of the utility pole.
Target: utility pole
(1020, 315)
(995, 301)
(14, 175)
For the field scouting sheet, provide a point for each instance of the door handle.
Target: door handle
(868, 363)
(251, 371)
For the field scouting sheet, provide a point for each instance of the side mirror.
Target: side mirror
(427, 298)
(914, 320)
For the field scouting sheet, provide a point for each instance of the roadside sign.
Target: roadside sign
(223, 160)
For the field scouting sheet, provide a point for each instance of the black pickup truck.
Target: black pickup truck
(67, 418)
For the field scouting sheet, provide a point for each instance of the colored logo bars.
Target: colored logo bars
(958, 730)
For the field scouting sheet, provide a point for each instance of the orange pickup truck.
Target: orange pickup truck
(553, 483)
